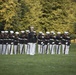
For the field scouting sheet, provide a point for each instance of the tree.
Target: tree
(7, 11)
(32, 17)
(58, 15)
(44, 15)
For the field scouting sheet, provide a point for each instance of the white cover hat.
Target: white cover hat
(11, 32)
(32, 27)
(27, 31)
(40, 32)
(58, 32)
(22, 31)
(66, 32)
(16, 32)
(47, 32)
(52, 32)
(2, 31)
(6, 31)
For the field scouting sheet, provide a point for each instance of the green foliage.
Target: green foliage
(57, 15)
(7, 12)
(73, 36)
(74, 28)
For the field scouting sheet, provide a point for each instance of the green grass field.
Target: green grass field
(39, 64)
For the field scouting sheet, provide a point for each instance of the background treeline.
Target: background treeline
(57, 15)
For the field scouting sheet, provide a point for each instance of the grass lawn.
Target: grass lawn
(39, 64)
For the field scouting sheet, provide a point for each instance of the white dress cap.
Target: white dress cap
(2, 31)
(47, 32)
(6, 31)
(32, 27)
(22, 31)
(65, 32)
(27, 31)
(11, 32)
(16, 32)
(58, 32)
(40, 32)
(52, 31)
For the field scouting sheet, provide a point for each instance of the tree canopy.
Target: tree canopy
(44, 15)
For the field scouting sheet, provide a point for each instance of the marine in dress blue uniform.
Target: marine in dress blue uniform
(65, 43)
(21, 42)
(58, 42)
(27, 47)
(39, 42)
(11, 36)
(47, 42)
(0, 44)
(2, 41)
(16, 43)
(52, 42)
(43, 43)
(6, 43)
